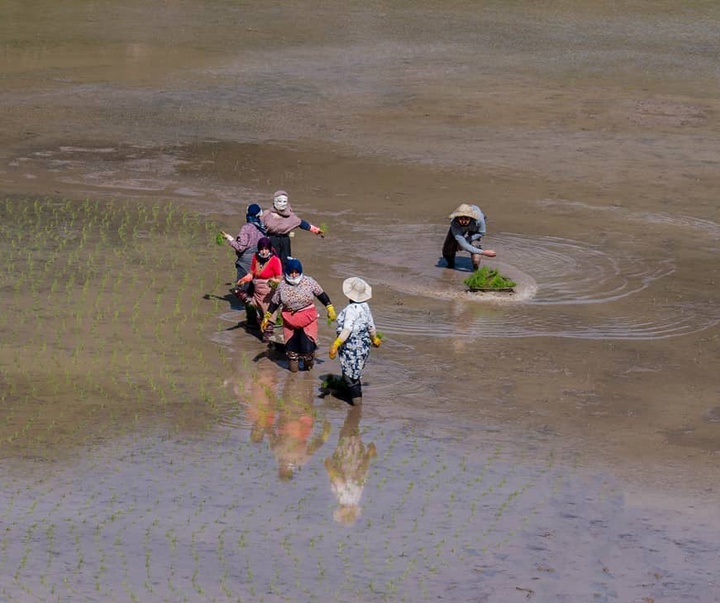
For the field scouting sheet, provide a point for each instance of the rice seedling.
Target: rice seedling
(488, 279)
(96, 312)
(126, 358)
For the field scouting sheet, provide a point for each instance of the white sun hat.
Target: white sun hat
(470, 211)
(356, 289)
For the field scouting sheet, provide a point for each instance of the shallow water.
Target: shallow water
(558, 444)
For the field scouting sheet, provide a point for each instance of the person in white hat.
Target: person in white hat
(467, 228)
(356, 332)
(280, 220)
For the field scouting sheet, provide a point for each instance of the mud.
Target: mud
(558, 445)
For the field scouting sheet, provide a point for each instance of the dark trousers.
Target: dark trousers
(449, 249)
(354, 387)
(281, 243)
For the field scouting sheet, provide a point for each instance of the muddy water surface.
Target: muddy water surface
(559, 444)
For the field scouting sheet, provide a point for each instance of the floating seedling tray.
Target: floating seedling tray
(492, 289)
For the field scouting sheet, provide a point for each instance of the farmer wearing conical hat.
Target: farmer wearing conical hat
(467, 228)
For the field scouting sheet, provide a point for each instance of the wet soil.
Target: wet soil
(557, 445)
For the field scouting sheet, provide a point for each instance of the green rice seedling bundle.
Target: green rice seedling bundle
(489, 279)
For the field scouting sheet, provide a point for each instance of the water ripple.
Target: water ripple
(665, 322)
(568, 272)
(548, 270)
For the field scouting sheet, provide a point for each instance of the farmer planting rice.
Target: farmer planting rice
(296, 294)
(355, 334)
(265, 274)
(280, 220)
(245, 243)
(467, 228)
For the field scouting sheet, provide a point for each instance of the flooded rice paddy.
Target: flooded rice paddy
(555, 444)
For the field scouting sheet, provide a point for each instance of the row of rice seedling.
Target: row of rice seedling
(109, 363)
(104, 318)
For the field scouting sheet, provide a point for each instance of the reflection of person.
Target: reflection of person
(467, 228)
(348, 468)
(280, 220)
(291, 438)
(265, 273)
(296, 293)
(355, 334)
(256, 392)
(245, 243)
(261, 401)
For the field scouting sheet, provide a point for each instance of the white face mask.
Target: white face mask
(293, 280)
(280, 202)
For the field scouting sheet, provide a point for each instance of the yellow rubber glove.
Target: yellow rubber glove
(334, 348)
(376, 341)
(267, 317)
(331, 312)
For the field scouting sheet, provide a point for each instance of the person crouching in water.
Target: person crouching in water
(265, 274)
(296, 293)
(355, 334)
(467, 228)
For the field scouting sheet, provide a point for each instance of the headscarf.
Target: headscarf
(293, 265)
(254, 211)
(264, 243)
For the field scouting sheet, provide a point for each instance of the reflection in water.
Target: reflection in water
(291, 437)
(261, 401)
(348, 468)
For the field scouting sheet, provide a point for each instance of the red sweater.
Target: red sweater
(270, 269)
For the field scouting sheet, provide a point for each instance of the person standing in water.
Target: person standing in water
(296, 294)
(265, 274)
(245, 243)
(355, 334)
(467, 228)
(280, 221)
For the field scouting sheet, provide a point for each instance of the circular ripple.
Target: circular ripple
(666, 321)
(548, 270)
(575, 290)
(568, 272)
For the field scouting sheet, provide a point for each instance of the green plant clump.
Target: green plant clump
(488, 279)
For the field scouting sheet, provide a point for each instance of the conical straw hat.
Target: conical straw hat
(470, 211)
